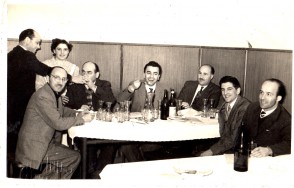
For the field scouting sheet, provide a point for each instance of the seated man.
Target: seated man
(137, 91)
(45, 116)
(193, 92)
(86, 96)
(230, 116)
(268, 123)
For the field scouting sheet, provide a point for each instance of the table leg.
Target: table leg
(84, 157)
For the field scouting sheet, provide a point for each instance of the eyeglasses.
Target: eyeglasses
(57, 78)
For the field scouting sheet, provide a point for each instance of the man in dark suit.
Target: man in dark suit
(267, 122)
(44, 118)
(193, 92)
(229, 117)
(22, 67)
(78, 97)
(100, 89)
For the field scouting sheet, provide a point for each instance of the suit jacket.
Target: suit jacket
(273, 131)
(212, 91)
(77, 94)
(22, 69)
(138, 97)
(229, 128)
(41, 121)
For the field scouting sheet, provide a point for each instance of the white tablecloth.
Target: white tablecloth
(213, 171)
(159, 130)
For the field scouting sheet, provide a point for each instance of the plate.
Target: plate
(178, 118)
(189, 112)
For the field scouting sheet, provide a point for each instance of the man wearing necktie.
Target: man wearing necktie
(267, 122)
(86, 96)
(44, 118)
(193, 92)
(137, 91)
(230, 116)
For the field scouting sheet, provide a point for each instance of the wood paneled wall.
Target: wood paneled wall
(269, 64)
(122, 63)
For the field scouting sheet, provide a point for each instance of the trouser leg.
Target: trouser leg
(61, 162)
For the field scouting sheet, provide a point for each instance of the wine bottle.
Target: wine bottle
(241, 153)
(164, 106)
(172, 112)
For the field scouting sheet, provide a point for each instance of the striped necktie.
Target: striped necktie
(89, 97)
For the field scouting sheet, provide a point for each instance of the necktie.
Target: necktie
(197, 96)
(199, 92)
(151, 90)
(89, 97)
(262, 114)
(228, 111)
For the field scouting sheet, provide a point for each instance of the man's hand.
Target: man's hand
(85, 107)
(134, 85)
(206, 153)
(87, 117)
(185, 105)
(77, 79)
(261, 152)
(64, 99)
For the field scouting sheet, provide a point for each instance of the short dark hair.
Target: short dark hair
(281, 88)
(153, 64)
(95, 64)
(211, 68)
(26, 33)
(56, 42)
(230, 79)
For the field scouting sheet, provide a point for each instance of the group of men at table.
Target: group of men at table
(48, 112)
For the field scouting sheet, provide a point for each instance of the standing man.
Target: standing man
(86, 96)
(44, 118)
(22, 67)
(268, 123)
(230, 116)
(193, 92)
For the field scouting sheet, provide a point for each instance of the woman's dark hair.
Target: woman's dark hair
(56, 42)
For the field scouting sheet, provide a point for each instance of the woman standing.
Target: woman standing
(61, 50)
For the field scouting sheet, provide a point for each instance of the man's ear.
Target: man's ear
(97, 74)
(238, 91)
(279, 98)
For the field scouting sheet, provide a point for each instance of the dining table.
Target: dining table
(173, 129)
(209, 171)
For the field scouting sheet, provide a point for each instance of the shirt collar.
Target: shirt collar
(23, 47)
(233, 102)
(147, 87)
(269, 111)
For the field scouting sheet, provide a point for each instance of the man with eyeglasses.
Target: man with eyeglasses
(44, 118)
(22, 67)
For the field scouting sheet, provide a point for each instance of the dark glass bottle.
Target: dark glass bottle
(241, 153)
(164, 106)
(172, 112)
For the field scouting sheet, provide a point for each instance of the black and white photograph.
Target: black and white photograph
(157, 93)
